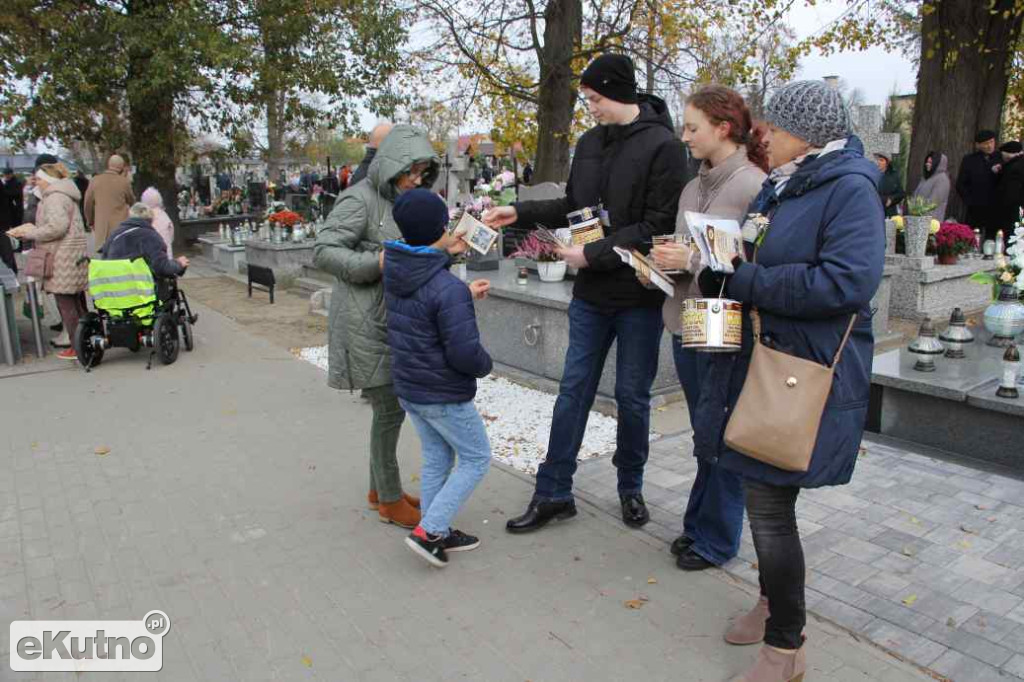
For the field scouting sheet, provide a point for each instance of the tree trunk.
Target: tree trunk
(275, 136)
(151, 120)
(556, 97)
(961, 84)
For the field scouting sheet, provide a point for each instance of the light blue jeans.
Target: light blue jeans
(445, 430)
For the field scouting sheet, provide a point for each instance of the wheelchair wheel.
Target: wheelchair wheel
(88, 327)
(186, 331)
(165, 333)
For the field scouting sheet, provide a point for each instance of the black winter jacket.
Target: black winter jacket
(1010, 195)
(637, 172)
(136, 238)
(976, 183)
(891, 190)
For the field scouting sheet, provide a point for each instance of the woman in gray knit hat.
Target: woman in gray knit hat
(818, 263)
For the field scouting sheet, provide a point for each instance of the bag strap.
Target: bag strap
(755, 319)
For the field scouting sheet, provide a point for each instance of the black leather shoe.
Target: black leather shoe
(691, 561)
(538, 514)
(680, 545)
(634, 511)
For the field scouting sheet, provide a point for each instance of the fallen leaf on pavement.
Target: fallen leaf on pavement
(966, 544)
(950, 623)
(967, 529)
(307, 661)
(913, 520)
(635, 603)
(909, 601)
(906, 551)
(102, 450)
(652, 580)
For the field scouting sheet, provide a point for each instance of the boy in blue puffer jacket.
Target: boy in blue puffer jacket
(436, 358)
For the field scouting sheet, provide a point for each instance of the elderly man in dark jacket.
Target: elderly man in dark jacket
(976, 183)
(136, 238)
(633, 166)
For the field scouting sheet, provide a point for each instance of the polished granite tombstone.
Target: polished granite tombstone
(954, 408)
(922, 288)
(286, 260)
(525, 328)
(221, 252)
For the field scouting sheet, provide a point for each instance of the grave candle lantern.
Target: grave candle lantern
(926, 347)
(1011, 366)
(956, 335)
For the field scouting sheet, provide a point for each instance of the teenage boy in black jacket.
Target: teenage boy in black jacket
(633, 165)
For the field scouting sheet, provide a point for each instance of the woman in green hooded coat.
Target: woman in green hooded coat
(351, 247)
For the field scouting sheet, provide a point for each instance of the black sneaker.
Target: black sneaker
(429, 549)
(457, 541)
(59, 327)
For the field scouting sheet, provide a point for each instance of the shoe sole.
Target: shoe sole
(564, 516)
(424, 554)
(463, 548)
(636, 524)
(384, 519)
(745, 643)
(68, 357)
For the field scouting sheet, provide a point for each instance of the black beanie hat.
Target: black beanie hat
(45, 160)
(984, 136)
(1012, 147)
(421, 216)
(612, 75)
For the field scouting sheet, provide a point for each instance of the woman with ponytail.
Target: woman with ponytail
(719, 130)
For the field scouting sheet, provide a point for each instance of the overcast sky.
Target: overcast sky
(874, 71)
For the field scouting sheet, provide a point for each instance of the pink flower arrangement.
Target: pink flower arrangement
(536, 250)
(953, 239)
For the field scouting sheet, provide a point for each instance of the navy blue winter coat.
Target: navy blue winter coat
(820, 262)
(136, 238)
(436, 354)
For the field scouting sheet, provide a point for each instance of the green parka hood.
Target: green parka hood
(404, 146)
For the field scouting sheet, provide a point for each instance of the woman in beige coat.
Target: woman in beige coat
(719, 131)
(60, 232)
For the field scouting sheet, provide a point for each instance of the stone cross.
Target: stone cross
(867, 124)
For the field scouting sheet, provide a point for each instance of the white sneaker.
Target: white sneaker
(61, 340)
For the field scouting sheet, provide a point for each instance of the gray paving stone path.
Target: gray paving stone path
(920, 555)
(232, 497)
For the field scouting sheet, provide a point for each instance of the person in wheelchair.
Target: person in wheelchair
(137, 238)
(134, 289)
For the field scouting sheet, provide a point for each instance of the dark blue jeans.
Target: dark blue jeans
(714, 513)
(637, 332)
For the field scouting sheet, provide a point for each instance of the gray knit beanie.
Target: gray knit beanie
(810, 110)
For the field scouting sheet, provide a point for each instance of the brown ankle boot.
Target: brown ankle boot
(372, 502)
(749, 628)
(773, 665)
(400, 513)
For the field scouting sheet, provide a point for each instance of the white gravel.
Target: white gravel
(518, 420)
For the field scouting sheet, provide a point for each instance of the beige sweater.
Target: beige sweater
(725, 191)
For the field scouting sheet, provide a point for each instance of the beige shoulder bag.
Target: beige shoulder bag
(777, 417)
